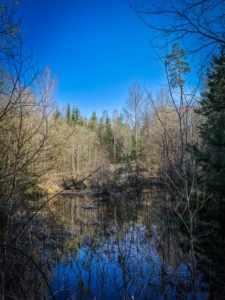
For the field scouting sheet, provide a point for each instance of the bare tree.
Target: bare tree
(174, 121)
(199, 25)
(24, 132)
(133, 110)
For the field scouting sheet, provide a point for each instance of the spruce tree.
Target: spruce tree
(109, 139)
(76, 117)
(93, 122)
(211, 189)
(68, 113)
(57, 114)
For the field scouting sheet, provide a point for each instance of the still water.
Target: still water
(117, 250)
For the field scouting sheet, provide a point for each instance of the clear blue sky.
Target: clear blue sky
(96, 48)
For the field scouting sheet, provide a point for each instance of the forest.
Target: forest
(163, 155)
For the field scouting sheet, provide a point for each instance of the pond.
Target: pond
(117, 249)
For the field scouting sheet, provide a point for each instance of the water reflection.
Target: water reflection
(118, 250)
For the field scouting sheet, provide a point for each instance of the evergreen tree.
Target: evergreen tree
(109, 140)
(73, 115)
(177, 66)
(57, 114)
(105, 135)
(200, 182)
(68, 113)
(76, 117)
(211, 161)
(94, 117)
(176, 70)
(93, 121)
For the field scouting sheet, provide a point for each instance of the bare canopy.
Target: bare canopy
(198, 25)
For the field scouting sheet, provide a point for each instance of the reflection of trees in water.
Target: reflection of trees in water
(26, 261)
(122, 251)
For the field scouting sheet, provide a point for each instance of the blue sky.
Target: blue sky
(96, 48)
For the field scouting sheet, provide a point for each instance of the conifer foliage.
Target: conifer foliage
(211, 160)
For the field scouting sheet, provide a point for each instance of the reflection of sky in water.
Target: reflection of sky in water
(117, 267)
(106, 272)
(120, 251)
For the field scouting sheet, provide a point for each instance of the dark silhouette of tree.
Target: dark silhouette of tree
(211, 189)
(198, 25)
(68, 113)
